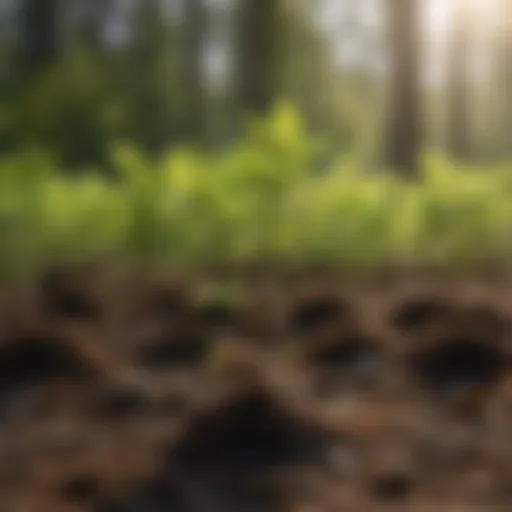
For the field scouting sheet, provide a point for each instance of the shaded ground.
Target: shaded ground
(129, 392)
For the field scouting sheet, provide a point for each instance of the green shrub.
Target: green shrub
(260, 201)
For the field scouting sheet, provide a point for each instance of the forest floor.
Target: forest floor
(139, 392)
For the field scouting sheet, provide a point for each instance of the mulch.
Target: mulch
(123, 390)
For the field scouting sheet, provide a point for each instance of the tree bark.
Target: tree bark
(504, 78)
(258, 54)
(194, 90)
(459, 83)
(39, 40)
(404, 132)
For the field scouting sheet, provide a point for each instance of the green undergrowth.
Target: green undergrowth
(263, 200)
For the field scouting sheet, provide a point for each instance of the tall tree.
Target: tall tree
(193, 80)
(404, 132)
(149, 119)
(258, 53)
(504, 77)
(39, 37)
(459, 80)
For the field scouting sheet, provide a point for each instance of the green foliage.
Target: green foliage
(77, 106)
(69, 111)
(152, 87)
(259, 201)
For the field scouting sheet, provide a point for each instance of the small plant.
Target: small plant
(261, 201)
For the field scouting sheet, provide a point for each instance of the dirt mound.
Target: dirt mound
(140, 392)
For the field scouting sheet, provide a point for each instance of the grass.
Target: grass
(261, 201)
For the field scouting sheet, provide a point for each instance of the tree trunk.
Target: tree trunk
(258, 54)
(459, 88)
(404, 135)
(504, 79)
(193, 47)
(38, 35)
(150, 123)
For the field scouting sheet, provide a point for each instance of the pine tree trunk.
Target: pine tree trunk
(459, 88)
(39, 41)
(504, 78)
(195, 125)
(258, 54)
(404, 132)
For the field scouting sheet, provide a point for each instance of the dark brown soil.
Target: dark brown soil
(124, 391)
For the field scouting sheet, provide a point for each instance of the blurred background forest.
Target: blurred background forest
(376, 79)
